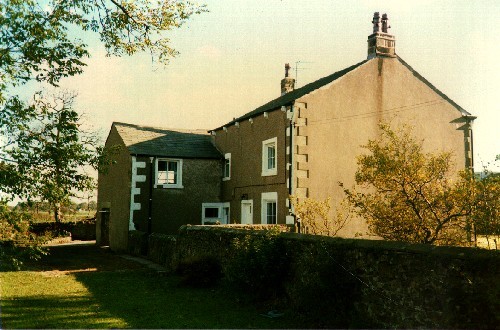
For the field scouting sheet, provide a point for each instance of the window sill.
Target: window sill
(168, 186)
(269, 173)
(226, 179)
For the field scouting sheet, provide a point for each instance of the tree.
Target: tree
(36, 42)
(486, 214)
(411, 195)
(51, 150)
(314, 216)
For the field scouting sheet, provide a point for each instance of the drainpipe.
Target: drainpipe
(470, 120)
(290, 158)
(150, 205)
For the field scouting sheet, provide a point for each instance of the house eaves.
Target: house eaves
(289, 98)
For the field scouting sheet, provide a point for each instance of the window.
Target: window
(214, 212)
(269, 208)
(169, 173)
(269, 160)
(227, 167)
(211, 212)
(271, 212)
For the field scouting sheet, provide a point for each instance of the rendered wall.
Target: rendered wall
(345, 114)
(114, 193)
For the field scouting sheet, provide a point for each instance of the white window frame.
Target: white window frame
(220, 212)
(265, 157)
(267, 197)
(179, 173)
(227, 176)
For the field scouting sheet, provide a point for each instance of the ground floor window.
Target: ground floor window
(271, 212)
(269, 208)
(215, 213)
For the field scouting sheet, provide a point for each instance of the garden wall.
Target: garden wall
(336, 282)
(80, 230)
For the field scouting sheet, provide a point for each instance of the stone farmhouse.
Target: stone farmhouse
(302, 143)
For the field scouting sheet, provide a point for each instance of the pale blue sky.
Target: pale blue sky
(232, 60)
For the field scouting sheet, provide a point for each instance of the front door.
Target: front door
(104, 213)
(247, 212)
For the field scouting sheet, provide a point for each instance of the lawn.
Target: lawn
(87, 287)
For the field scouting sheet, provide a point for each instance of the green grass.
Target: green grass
(102, 290)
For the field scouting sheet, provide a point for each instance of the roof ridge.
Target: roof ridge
(291, 96)
(161, 128)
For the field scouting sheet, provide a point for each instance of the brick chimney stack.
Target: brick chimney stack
(380, 42)
(287, 83)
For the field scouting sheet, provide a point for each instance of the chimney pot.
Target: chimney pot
(287, 83)
(380, 42)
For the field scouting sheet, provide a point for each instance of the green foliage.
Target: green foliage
(36, 40)
(17, 243)
(49, 150)
(315, 218)
(37, 43)
(200, 271)
(259, 264)
(408, 194)
(486, 214)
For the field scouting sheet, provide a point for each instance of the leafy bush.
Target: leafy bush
(17, 243)
(259, 264)
(202, 271)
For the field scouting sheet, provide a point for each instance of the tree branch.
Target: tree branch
(125, 11)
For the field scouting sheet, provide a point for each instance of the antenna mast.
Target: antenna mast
(297, 70)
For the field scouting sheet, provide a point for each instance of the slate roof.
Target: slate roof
(289, 98)
(163, 142)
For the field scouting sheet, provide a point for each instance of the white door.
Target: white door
(247, 212)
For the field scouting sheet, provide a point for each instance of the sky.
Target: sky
(232, 60)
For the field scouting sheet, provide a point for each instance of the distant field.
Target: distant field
(43, 216)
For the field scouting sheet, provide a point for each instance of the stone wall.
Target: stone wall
(361, 283)
(80, 230)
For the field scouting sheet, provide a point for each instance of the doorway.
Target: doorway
(247, 212)
(104, 213)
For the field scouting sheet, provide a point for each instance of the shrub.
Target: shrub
(259, 264)
(17, 242)
(202, 271)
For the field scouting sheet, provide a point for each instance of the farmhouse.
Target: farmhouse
(302, 143)
(159, 181)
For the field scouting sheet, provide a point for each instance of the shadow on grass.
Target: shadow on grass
(57, 312)
(72, 257)
(144, 299)
(119, 293)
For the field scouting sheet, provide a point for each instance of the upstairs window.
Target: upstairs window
(271, 157)
(227, 167)
(169, 173)
(269, 160)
